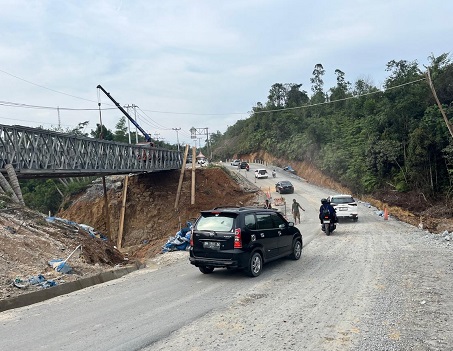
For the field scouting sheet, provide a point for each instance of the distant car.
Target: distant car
(244, 165)
(289, 169)
(242, 238)
(345, 206)
(236, 163)
(284, 187)
(261, 173)
(202, 162)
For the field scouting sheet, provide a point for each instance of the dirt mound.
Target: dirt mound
(150, 214)
(29, 240)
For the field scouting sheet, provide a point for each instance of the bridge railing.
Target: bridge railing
(35, 152)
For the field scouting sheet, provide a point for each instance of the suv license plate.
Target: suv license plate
(213, 245)
(343, 208)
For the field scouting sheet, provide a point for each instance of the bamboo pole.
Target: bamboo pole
(181, 176)
(106, 206)
(123, 212)
(192, 197)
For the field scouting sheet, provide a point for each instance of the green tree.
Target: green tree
(41, 195)
(317, 86)
(277, 96)
(120, 134)
(102, 133)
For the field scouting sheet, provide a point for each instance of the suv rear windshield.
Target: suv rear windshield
(342, 200)
(217, 223)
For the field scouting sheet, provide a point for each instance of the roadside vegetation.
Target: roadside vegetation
(366, 138)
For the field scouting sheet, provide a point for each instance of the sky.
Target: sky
(200, 64)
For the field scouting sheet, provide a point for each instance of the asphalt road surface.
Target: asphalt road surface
(373, 285)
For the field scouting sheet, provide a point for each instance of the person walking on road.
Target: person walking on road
(295, 210)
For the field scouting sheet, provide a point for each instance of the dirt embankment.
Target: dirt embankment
(150, 214)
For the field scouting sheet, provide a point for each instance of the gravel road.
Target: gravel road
(373, 285)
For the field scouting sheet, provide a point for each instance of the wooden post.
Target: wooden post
(123, 212)
(192, 198)
(181, 177)
(106, 205)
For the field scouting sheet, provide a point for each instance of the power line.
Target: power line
(157, 125)
(42, 86)
(338, 100)
(20, 105)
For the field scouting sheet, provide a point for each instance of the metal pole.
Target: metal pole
(128, 124)
(135, 117)
(177, 136)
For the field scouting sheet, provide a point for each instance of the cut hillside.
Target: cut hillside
(150, 214)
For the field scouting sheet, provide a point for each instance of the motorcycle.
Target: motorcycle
(328, 223)
(247, 168)
(274, 174)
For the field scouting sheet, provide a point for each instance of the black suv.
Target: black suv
(243, 238)
(244, 165)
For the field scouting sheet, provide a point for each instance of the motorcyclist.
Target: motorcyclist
(325, 205)
(274, 173)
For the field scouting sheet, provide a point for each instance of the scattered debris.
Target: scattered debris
(61, 265)
(180, 241)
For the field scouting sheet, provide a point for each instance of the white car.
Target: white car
(261, 173)
(345, 206)
(236, 163)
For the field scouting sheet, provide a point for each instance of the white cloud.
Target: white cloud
(196, 60)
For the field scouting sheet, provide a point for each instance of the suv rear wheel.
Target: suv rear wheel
(206, 269)
(297, 250)
(255, 266)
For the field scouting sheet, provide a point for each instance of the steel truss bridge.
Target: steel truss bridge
(35, 152)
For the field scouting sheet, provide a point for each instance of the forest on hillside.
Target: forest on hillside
(366, 138)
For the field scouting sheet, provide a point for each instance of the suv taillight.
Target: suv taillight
(191, 239)
(237, 239)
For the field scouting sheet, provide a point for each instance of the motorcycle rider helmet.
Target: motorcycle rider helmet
(323, 201)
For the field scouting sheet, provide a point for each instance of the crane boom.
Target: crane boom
(146, 135)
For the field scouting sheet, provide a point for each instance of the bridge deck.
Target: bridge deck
(35, 152)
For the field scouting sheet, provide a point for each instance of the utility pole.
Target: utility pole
(128, 123)
(135, 118)
(157, 137)
(177, 137)
(59, 121)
